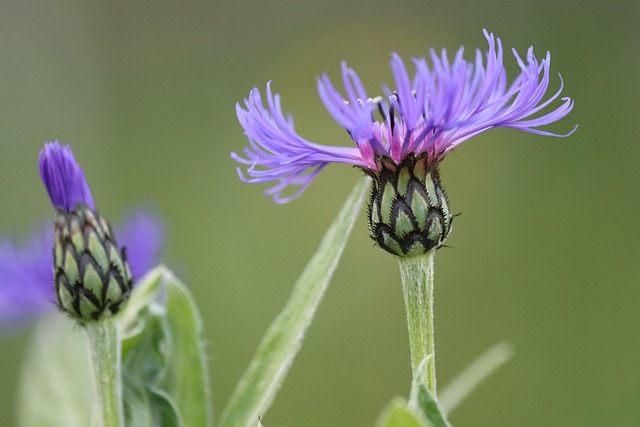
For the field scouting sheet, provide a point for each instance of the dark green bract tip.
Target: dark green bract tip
(91, 275)
(408, 210)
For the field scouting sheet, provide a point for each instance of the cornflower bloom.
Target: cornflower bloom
(427, 115)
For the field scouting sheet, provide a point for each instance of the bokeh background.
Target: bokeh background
(545, 254)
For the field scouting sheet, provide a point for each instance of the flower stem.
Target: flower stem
(417, 286)
(104, 345)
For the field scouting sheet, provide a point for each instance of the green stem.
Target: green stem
(417, 286)
(104, 344)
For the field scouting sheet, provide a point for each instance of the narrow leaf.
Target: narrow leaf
(282, 341)
(473, 375)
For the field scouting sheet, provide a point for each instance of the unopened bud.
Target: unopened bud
(91, 275)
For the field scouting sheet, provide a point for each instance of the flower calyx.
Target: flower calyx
(92, 278)
(409, 211)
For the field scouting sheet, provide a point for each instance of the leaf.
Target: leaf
(473, 375)
(55, 384)
(430, 407)
(397, 414)
(188, 378)
(282, 341)
(165, 378)
(423, 401)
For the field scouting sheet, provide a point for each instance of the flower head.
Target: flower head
(442, 104)
(86, 262)
(428, 114)
(92, 277)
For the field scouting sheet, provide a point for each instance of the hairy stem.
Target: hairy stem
(417, 286)
(104, 344)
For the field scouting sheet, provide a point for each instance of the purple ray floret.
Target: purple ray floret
(26, 278)
(63, 177)
(442, 104)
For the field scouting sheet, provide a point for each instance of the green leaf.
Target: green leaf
(397, 414)
(164, 371)
(422, 400)
(473, 375)
(55, 384)
(430, 407)
(282, 341)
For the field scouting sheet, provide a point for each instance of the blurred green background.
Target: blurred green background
(545, 254)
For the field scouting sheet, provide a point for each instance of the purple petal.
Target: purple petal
(411, 95)
(446, 102)
(517, 107)
(63, 177)
(353, 113)
(276, 153)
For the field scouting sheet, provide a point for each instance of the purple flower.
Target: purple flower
(26, 278)
(430, 112)
(77, 262)
(92, 276)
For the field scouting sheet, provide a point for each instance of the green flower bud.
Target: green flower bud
(408, 210)
(91, 275)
